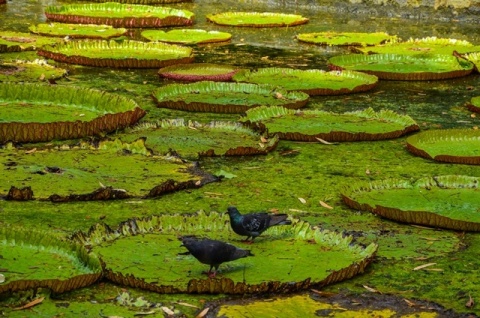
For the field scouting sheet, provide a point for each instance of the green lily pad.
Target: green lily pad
(474, 104)
(192, 139)
(449, 202)
(475, 59)
(77, 31)
(345, 38)
(195, 72)
(127, 54)
(19, 41)
(256, 19)
(312, 82)
(65, 174)
(29, 71)
(61, 112)
(404, 67)
(334, 256)
(312, 125)
(187, 36)
(447, 145)
(428, 45)
(120, 15)
(220, 97)
(33, 259)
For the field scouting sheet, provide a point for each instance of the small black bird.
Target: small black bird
(213, 252)
(253, 224)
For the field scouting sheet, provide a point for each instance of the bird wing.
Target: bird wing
(256, 222)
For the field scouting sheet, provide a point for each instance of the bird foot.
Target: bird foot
(247, 242)
(210, 274)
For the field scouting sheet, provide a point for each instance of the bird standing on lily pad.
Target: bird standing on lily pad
(213, 252)
(253, 224)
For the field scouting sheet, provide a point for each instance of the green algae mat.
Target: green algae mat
(126, 54)
(187, 36)
(256, 19)
(404, 67)
(315, 125)
(447, 145)
(345, 38)
(312, 82)
(449, 202)
(120, 15)
(77, 31)
(61, 112)
(167, 270)
(18, 41)
(195, 72)
(33, 259)
(221, 97)
(29, 71)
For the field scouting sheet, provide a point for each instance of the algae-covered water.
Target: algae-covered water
(297, 177)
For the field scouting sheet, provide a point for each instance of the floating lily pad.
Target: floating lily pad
(18, 41)
(64, 174)
(29, 71)
(77, 31)
(33, 259)
(220, 97)
(404, 67)
(256, 19)
(120, 15)
(447, 145)
(309, 125)
(474, 104)
(428, 45)
(127, 54)
(195, 72)
(61, 112)
(146, 2)
(449, 202)
(192, 139)
(312, 82)
(336, 257)
(345, 38)
(475, 59)
(187, 36)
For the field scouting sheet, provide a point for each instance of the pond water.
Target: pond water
(313, 172)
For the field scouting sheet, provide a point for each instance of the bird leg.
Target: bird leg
(210, 274)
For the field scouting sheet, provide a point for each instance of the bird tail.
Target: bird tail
(280, 219)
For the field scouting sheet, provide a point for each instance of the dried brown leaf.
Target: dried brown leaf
(325, 205)
(470, 303)
(203, 313)
(302, 200)
(326, 142)
(31, 304)
(370, 289)
(424, 266)
(168, 311)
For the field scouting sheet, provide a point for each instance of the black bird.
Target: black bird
(253, 224)
(213, 252)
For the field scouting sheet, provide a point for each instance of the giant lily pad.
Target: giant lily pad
(186, 36)
(193, 139)
(61, 112)
(127, 54)
(120, 15)
(19, 41)
(65, 174)
(310, 125)
(447, 145)
(29, 71)
(33, 259)
(474, 104)
(475, 59)
(312, 82)
(449, 202)
(199, 72)
(77, 31)
(219, 97)
(404, 67)
(333, 256)
(345, 38)
(256, 19)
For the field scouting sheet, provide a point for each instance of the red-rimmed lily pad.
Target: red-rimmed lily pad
(312, 82)
(474, 104)
(256, 19)
(449, 202)
(312, 125)
(336, 257)
(29, 71)
(195, 72)
(120, 15)
(32, 260)
(404, 67)
(19, 41)
(187, 36)
(345, 38)
(222, 97)
(34, 113)
(126, 54)
(77, 31)
(447, 145)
